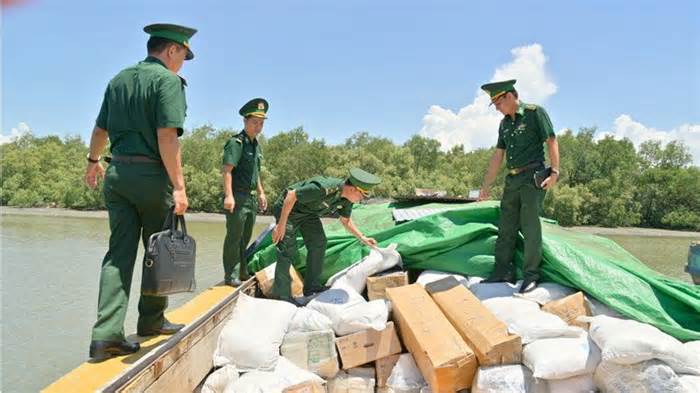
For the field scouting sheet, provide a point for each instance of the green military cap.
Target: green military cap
(256, 107)
(176, 33)
(363, 180)
(497, 89)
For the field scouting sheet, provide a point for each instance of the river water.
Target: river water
(49, 281)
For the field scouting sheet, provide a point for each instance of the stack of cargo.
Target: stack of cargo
(446, 333)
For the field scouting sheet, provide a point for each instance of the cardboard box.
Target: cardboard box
(383, 368)
(266, 278)
(444, 358)
(305, 387)
(569, 308)
(484, 333)
(376, 285)
(368, 345)
(313, 351)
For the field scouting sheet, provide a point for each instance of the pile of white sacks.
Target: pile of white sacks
(258, 349)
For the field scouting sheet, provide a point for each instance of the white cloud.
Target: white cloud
(625, 126)
(21, 129)
(476, 125)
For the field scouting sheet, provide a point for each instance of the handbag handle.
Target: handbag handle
(173, 219)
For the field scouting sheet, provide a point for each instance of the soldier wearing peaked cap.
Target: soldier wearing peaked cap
(241, 174)
(523, 131)
(300, 208)
(142, 115)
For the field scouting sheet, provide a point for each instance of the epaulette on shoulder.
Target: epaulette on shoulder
(238, 139)
(531, 107)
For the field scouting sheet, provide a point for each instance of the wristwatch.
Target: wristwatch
(91, 160)
(555, 170)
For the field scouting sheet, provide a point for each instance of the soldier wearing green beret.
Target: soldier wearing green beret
(523, 131)
(241, 172)
(300, 208)
(142, 115)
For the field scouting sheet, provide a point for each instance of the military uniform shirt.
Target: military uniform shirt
(245, 156)
(138, 101)
(320, 196)
(523, 137)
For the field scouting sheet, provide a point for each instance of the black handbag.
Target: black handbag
(541, 176)
(169, 263)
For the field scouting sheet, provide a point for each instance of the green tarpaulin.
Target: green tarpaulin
(462, 240)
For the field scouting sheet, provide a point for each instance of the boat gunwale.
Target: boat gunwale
(150, 361)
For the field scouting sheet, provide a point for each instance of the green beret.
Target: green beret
(175, 33)
(363, 180)
(256, 107)
(497, 89)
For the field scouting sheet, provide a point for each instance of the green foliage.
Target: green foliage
(569, 204)
(682, 219)
(604, 182)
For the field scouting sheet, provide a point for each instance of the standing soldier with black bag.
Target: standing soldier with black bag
(523, 131)
(241, 175)
(142, 114)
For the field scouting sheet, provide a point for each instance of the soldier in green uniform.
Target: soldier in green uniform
(241, 171)
(523, 131)
(142, 115)
(300, 208)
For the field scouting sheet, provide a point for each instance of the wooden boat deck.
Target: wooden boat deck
(163, 362)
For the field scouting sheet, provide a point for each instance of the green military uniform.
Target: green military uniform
(245, 156)
(522, 138)
(137, 189)
(316, 197)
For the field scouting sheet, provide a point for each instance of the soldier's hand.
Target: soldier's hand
(278, 233)
(229, 203)
(370, 241)
(93, 173)
(180, 199)
(262, 202)
(549, 182)
(483, 194)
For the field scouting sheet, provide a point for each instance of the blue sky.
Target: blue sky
(391, 68)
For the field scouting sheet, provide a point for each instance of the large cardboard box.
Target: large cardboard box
(368, 345)
(377, 285)
(266, 278)
(305, 387)
(313, 351)
(445, 360)
(484, 333)
(383, 368)
(569, 308)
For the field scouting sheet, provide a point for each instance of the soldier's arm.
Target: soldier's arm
(262, 199)
(169, 147)
(98, 141)
(491, 172)
(553, 149)
(281, 228)
(229, 202)
(228, 179)
(261, 191)
(350, 227)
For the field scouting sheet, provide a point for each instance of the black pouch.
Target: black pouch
(541, 175)
(170, 258)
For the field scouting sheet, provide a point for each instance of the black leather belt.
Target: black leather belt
(251, 192)
(132, 159)
(532, 165)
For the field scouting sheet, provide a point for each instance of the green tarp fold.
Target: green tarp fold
(462, 240)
